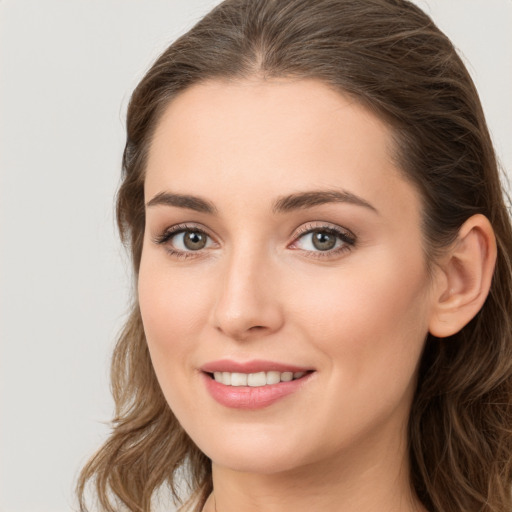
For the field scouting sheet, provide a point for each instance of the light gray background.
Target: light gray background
(66, 72)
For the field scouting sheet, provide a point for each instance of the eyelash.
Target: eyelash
(171, 232)
(347, 238)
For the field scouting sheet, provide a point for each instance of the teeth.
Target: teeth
(273, 377)
(255, 379)
(239, 379)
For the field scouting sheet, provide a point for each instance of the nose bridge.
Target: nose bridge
(248, 303)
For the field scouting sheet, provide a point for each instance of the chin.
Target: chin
(262, 463)
(259, 452)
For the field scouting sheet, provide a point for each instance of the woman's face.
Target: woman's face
(281, 239)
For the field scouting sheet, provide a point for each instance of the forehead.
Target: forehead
(271, 138)
(249, 113)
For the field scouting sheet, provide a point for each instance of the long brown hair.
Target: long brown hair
(390, 56)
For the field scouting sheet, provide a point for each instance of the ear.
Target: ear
(464, 277)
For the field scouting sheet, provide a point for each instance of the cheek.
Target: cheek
(370, 329)
(372, 320)
(170, 300)
(173, 307)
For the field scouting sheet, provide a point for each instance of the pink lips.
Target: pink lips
(246, 397)
(257, 365)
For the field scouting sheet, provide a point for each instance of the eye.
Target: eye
(323, 239)
(189, 240)
(183, 240)
(319, 240)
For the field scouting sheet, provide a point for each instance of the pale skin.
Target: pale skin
(356, 314)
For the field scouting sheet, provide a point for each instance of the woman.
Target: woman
(321, 251)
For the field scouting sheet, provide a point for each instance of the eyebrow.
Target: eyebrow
(303, 200)
(183, 201)
(297, 201)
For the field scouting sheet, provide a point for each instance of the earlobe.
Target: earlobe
(465, 277)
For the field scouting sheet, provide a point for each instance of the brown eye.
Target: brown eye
(193, 240)
(327, 241)
(185, 240)
(181, 241)
(323, 240)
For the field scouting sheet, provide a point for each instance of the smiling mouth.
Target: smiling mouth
(255, 380)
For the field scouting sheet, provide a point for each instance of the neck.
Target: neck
(278, 494)
(370, 479)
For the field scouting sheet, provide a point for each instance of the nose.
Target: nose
(248, 304)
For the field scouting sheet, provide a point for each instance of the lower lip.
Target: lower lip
(246, 397)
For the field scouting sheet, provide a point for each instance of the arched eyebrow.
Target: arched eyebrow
(190, 202)
(297, 201)
(302, 200)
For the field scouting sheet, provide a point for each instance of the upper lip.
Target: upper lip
(254, 366)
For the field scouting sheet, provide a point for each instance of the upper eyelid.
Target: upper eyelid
(327, 226)
(178, 228)
(170, 231)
